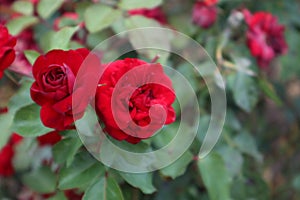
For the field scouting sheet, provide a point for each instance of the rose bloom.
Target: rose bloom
(6, 156)
(205, 13)
(127, 91)
(265, 37)
(153, 13)
(53, 89)
(7, 52)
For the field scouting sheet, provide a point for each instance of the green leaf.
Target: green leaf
(17, 25)
(141, 181)
(246, 144)
(98, 17)
(179, 166)
(133, 4)
(82, 172)
(46, 8)
(296, 182)
(22, 97)
(105, 188)
(42, 180)
(215, 176)
(23, 7)
(146, 36)
(269, 90)
(58, 196)
(5, 124)
(61, 38)
(245, 92)
(31, 55)
(233, 160)
(65, 150)
(27, 122)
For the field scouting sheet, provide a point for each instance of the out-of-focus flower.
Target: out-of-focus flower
(7, 52)
(6, 156)
(154, 13)
(205, 13)
(265, 37)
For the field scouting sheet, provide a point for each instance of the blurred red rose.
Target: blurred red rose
(3, 110)
(73, 194)
(265, 37)
(7, 52)
(128, 89)
(6, 156)
(25, 42)
(50, 138)
(154, 13)
(53, 89)
(205, 13)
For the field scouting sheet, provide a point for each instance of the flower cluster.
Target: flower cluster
(55, 74)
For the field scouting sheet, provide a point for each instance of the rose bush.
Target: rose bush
(62, 75)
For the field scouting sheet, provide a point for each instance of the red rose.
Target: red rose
(205, 13)
(7, 52)
(154, 13)
(54, 90)
(131, 98)
(49, 139)
(6, 156)
(265, 37)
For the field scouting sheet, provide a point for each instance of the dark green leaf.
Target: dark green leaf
(268, 89)
(82, 172)
(42, 180)
(246, 143)
(105, 189)
(27, 122)
(141, 181)
(179, 166)
(215, 177)
(65, 150)
(245, 91)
